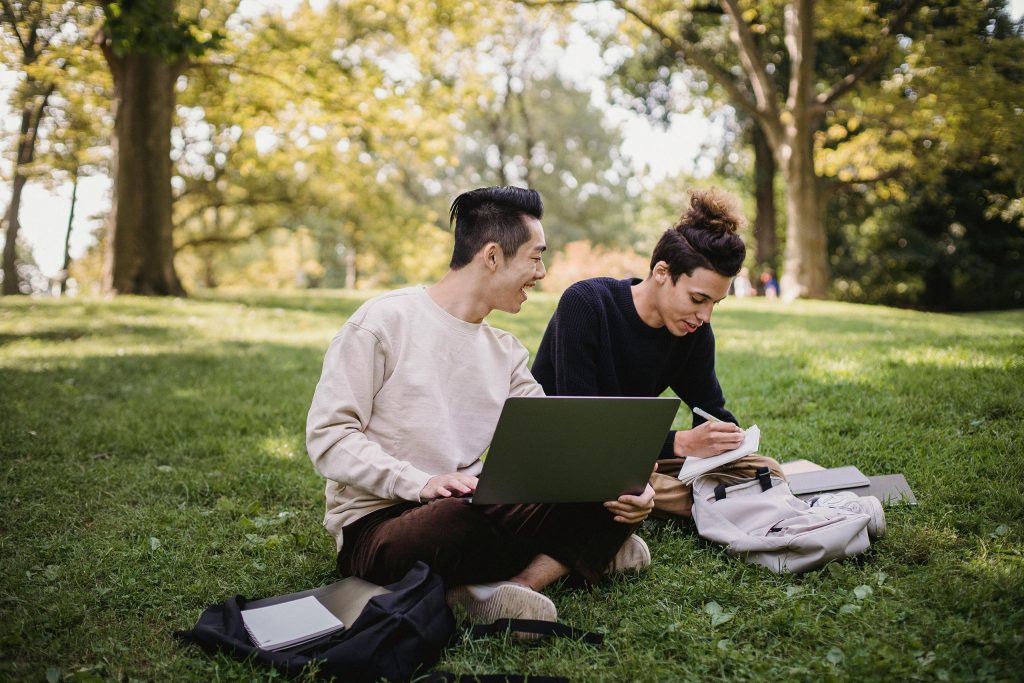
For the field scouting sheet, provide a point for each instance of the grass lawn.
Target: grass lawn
(153, 462)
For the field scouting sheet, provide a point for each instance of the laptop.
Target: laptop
(571, 449)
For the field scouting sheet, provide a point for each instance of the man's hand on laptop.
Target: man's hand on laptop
(710, 438)
(447, 485)
(632, 509)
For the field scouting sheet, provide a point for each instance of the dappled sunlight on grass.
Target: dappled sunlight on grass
(835, 370)
(951, 357)
(996, 559)
(282, 447)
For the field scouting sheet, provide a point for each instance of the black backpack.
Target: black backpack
(396, 635)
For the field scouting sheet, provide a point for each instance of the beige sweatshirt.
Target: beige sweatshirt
(408, 391)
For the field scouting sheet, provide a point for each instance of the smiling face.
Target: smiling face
(687, 304)
(512, 277)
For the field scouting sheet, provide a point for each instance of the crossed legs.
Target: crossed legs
(532, 545)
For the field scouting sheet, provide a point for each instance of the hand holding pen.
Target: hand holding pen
(711, 438)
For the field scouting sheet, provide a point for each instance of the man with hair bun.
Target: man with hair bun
(410, 394)
(636, 337)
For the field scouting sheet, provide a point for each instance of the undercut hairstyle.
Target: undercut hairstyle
(492, 214)
(705, 236)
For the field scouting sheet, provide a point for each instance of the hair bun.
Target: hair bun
(712, 211)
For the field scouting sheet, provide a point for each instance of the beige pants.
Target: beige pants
(673, 498)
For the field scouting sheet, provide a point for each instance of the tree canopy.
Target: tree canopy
(319, 144)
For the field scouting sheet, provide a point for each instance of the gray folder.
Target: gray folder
(833, 479)
(890, 489)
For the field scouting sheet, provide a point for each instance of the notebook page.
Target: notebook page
(694, 467)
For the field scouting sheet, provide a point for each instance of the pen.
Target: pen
(706, 415)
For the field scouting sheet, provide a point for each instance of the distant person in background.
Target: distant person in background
(636, 337)
(769, 285)
(741, 286)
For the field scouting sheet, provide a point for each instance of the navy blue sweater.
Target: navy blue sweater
(597, 345)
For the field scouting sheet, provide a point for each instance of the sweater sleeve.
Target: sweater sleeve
(697, 384)
(522, 383)
(353, 373)
(573, 346)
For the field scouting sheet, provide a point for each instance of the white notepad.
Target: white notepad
(694, 467)
(289, 623)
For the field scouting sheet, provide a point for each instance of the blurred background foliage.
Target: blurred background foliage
(319, 144)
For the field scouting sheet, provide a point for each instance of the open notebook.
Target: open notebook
(694, 467)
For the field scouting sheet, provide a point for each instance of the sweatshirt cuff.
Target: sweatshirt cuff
(409, 482)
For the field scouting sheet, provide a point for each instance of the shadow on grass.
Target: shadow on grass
(195, 402)
(75, 333)
(52, 335)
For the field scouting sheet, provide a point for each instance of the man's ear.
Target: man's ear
(660, 271)
(492, 255)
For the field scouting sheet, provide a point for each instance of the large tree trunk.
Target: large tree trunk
(140, 247)
(766, 244)
(805, 271)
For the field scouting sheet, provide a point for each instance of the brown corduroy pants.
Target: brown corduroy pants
(467, 543)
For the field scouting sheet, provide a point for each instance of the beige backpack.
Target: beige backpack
(762, 522)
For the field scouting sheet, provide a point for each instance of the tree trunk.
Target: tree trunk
(766, 244)
(67, 237)
(31, 116)
(938, 286)
(805, 272)
(140, 247)
(13, 225)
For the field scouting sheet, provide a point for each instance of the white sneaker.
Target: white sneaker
(634, 554)
(851, 502)
(486, 602)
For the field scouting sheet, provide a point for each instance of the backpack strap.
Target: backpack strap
(764, 475)
(538, 627)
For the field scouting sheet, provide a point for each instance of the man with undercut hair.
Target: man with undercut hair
(410, 394)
